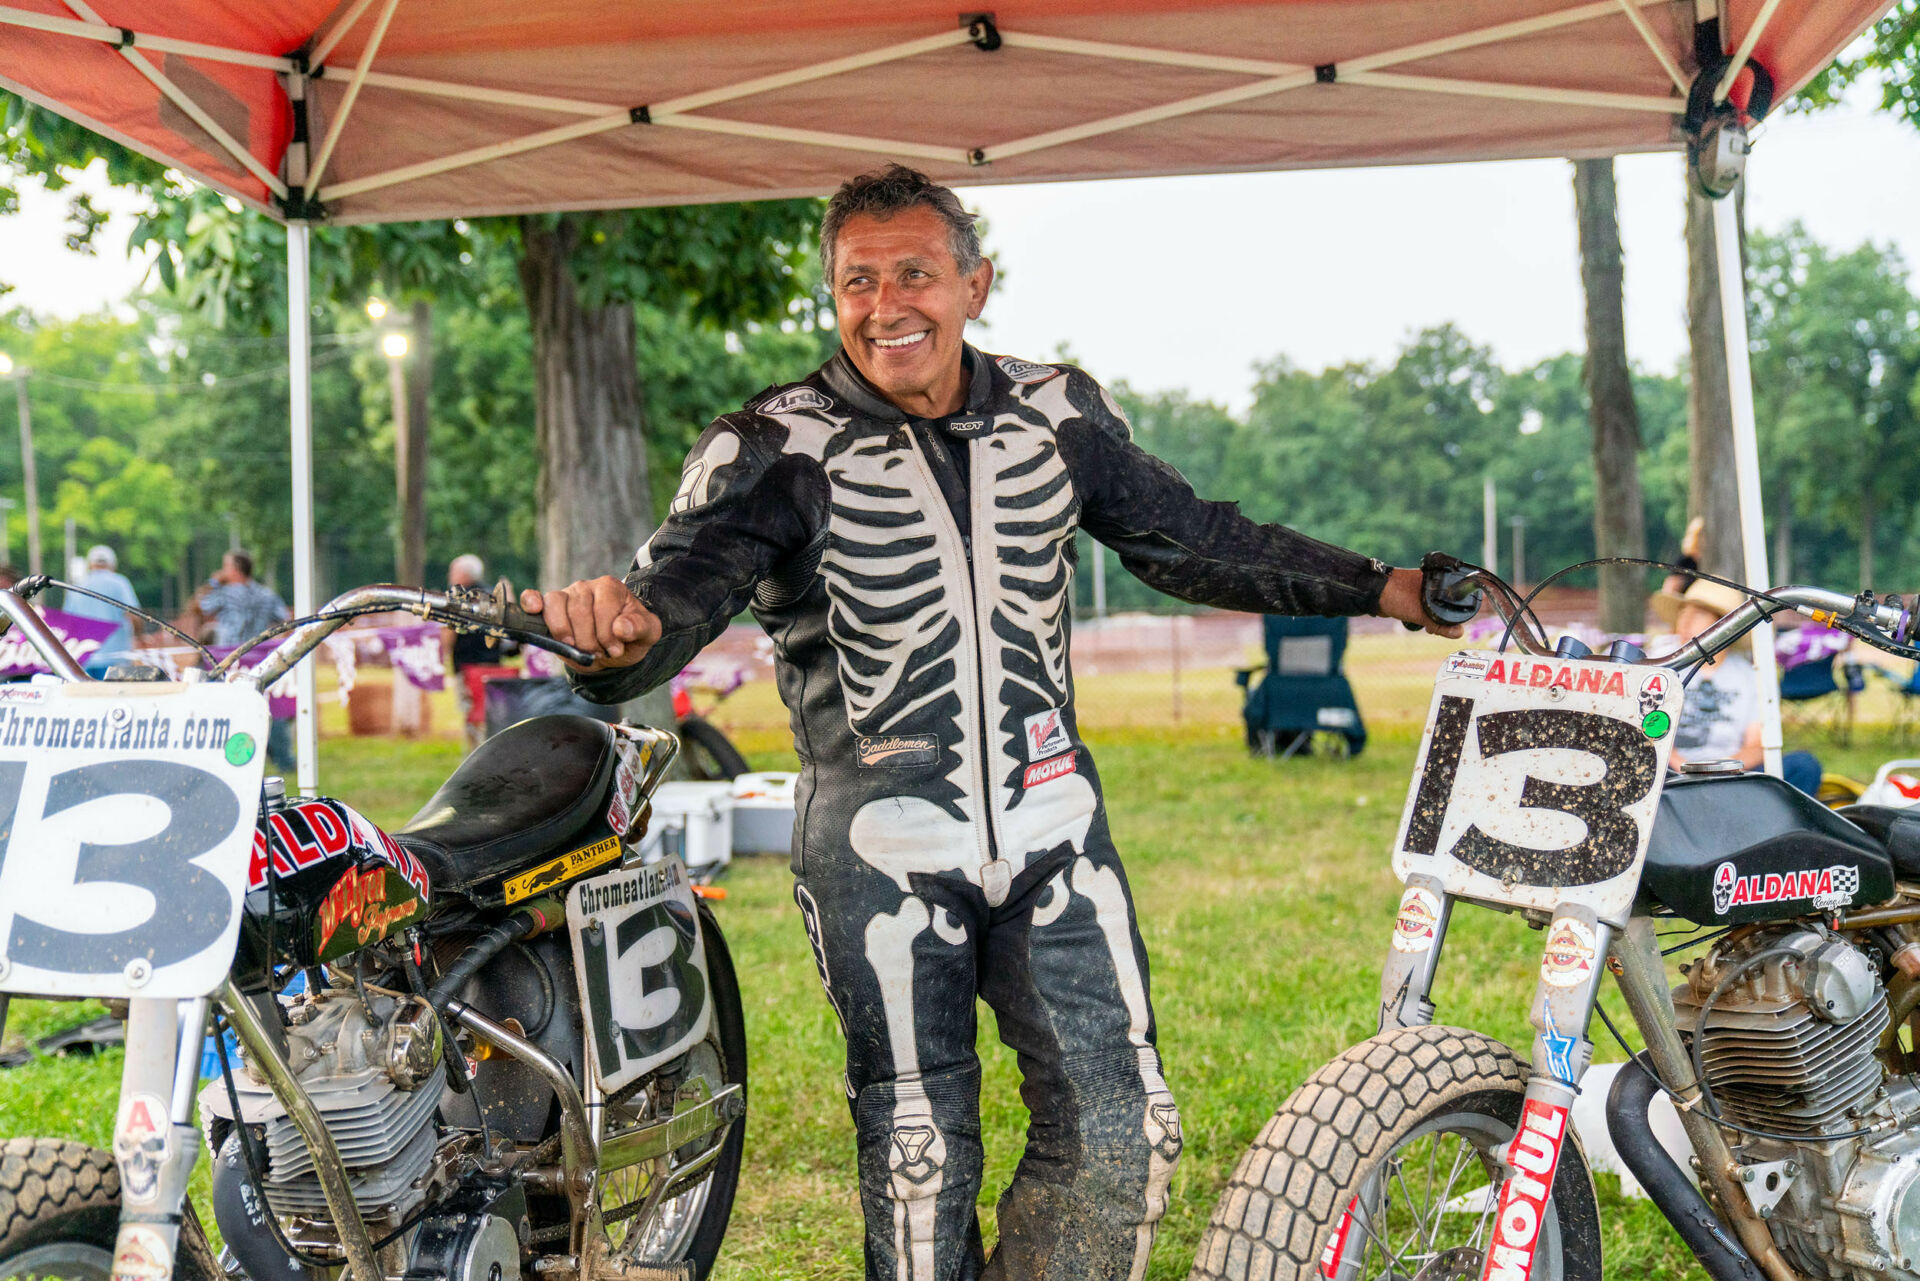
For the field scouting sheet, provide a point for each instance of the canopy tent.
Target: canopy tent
(380, 110)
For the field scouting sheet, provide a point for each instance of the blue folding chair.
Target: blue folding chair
(1819, 694)
(1303, 693)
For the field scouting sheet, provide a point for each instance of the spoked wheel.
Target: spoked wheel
(60, 1213)
(710, 755)
(1385, 1167)
(689, 1220)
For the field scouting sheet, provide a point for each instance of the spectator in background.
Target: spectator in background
(103, 576)
(466, 650)
(1721, 717)
(230, 610)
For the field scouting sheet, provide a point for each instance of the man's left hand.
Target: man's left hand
(1401, 599)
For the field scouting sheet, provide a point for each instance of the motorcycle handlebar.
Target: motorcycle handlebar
(464, 608)
(1860, 615)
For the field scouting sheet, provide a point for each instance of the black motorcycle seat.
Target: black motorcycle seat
(1896, 828)
(518, 796)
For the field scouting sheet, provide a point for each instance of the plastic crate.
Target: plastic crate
(692, 820)
(763, 813)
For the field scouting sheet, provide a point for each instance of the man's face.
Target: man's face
(903, 305)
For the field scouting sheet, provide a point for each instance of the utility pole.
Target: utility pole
(1489, 528)
(6, 530)
(72, 547)
(1519, 524)
(28, 473)
(1099, 580)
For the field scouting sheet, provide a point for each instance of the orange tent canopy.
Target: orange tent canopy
(435, 108)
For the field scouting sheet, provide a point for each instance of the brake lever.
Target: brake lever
(1442, 578)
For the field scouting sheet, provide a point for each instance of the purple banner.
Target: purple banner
(82, 637)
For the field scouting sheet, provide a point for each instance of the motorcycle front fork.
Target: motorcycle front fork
(1571, 965)
(154, 1142)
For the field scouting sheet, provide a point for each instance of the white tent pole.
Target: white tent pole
(300, 380)
(105, 34)
(1746, 464)
(1745, 51)
(1517, 93)
(352, 95)
(331, 41)
(1660, 53)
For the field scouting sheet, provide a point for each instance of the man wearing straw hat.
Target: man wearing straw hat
(1721, 720)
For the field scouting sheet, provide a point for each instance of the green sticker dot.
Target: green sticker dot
(1657, 724)
(239, 749)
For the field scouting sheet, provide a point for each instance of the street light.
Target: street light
(376, 310)
(28, 473)
(394, 344)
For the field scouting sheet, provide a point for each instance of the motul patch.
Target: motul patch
(1829, 887)
(1533, 1156)
(1330, 1257)
(1047, 771)
(1025, 371)
(1523, 1197)
(1046, 735)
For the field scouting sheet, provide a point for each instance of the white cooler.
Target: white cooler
(693, 820)
(763, 813)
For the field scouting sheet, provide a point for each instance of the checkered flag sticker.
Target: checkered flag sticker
(1846, 880)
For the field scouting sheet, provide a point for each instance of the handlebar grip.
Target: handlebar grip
(1449, 594)
(519, 620)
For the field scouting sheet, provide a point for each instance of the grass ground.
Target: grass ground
(1265, 900)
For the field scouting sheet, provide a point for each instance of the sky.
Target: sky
(1188, 283)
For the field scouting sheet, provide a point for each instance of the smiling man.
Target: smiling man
(902, 523)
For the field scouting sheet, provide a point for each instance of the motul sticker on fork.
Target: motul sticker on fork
(1533, 1156)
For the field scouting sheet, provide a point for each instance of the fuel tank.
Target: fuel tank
(323, 881)
(1729, 849)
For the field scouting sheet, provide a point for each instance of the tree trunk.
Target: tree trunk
(1619, 515)
(1782, 564)
(595, 503)
(1867, 513)
(1712, 491)
(413, 395)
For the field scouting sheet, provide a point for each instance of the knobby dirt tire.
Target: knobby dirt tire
(711, 757)
(54, 1193)
(1277, 1212)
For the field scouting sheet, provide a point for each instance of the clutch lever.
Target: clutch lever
(1449, 591)
(495, 612)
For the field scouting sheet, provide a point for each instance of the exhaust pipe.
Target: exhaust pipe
(1632, 1132)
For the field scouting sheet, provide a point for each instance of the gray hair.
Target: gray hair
(101, 554)
(469, 562)
(886, 192)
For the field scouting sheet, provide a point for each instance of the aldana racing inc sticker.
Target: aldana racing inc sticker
(1570, 952)
(1533, 1155)
(1414, 929)
(1824, 888)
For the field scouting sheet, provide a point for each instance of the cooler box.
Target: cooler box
(693, 820)
(763, 813)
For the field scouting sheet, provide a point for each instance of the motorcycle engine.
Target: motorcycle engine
(372, 1070)
(1791, 1047)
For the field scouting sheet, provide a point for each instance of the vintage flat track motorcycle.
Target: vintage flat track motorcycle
(1435, 1153)
(492, 1044)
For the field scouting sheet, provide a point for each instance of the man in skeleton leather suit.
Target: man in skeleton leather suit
(902, 524)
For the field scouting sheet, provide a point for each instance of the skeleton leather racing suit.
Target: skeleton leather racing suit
(916, 579)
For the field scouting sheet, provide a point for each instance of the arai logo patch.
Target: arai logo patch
(792, 402)
(1829, 887)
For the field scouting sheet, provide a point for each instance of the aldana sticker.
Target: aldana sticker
(1413, 930)
(1569, 956)
(1824, 888)
(1533, 1155)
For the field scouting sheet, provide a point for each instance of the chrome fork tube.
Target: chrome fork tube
(1643, 983)
(264, 1057)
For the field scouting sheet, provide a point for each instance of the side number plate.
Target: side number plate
(1538, 780)
(126, 822)
(642, 968)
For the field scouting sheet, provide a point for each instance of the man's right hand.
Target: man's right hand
(600, 616)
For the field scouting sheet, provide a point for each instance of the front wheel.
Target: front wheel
(1407, 1129)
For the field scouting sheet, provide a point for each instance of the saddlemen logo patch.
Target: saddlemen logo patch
(1025, 371)
(1046, 736)
(891, 751)
(792, 402)
(1827, 888)
(1048, 770)
(1532, 1155)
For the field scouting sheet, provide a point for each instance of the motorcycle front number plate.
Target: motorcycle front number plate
(1538, 779)
(126, 822)
(642, 968)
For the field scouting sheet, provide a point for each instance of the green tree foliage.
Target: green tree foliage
(1890, 56)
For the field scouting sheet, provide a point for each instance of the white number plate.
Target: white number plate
(642, 968)
(1538, 780)
(126, 820)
